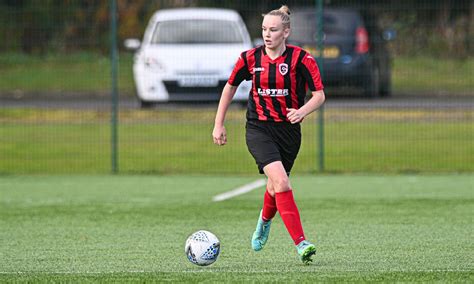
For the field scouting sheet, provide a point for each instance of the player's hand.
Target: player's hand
(294, 115)
(219, 135)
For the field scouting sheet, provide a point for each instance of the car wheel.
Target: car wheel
(146, 104)
(242, 105)
(372, 84)
(386, 85)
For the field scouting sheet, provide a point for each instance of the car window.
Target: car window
(304, 25)
(196, 32)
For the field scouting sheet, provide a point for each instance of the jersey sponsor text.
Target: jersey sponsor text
(273, 92)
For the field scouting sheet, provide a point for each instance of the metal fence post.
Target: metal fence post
(320, 59)
(114, 88)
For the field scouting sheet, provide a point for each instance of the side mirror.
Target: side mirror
(389, 34)
(132, 44)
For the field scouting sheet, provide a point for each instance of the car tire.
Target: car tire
(146, 104)
(242, 105)
(372, 83)
(386, 86)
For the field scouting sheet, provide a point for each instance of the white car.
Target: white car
(188, 54)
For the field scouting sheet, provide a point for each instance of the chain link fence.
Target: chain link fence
(398, 77)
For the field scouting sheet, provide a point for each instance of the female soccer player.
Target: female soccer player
(281, 75)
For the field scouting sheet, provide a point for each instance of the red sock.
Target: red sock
(289, 214)
(269, 207)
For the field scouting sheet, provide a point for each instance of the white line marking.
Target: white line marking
(240, 190)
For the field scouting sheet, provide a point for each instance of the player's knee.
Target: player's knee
(281, 184)
(270, 189)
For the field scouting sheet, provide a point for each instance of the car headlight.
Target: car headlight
(154, 65)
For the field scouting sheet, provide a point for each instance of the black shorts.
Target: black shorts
(273, 141)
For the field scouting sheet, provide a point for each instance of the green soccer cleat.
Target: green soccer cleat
(306, 250)
(260, 236)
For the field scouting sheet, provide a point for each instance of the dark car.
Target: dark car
(355, 52)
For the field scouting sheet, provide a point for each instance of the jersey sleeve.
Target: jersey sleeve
(310, 71)
(240, 71)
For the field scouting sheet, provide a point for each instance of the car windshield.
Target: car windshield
(196, 32)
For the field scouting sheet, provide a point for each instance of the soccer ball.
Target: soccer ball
(202, 248)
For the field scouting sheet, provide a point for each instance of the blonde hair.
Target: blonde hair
(284, 13)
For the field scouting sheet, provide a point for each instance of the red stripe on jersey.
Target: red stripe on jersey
(280, 84)
(311, 70)
(271, 108)
(254, 94)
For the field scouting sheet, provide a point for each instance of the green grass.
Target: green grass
(433, 76)
(78, 72)
(133, 228)
(179, 141)
(89, 72)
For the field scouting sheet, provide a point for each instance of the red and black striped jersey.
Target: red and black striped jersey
(277, 84)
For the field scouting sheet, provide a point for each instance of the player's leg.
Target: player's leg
(264, 151)
(262, 231)
(288, 210)
(269, 209)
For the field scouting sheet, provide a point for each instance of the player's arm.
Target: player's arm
(297, 115)
(239, 74)
(219, 133)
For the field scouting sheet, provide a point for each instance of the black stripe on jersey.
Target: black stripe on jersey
(305, 72)
(251, 102)
(244, 57)
(273, 85)
(272, 70)
(287, 77)
(258, 63)
(300, 57)
(243, 73)
(300, 81)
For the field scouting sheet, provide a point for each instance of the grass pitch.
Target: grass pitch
(178, 141)
(89, 72)
(133, 229)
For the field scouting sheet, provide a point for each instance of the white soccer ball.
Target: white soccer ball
(202, 248)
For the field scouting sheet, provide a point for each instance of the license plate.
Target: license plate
(328, 52)
(198, 81)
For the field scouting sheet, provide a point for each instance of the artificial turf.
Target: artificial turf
(133, 229)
